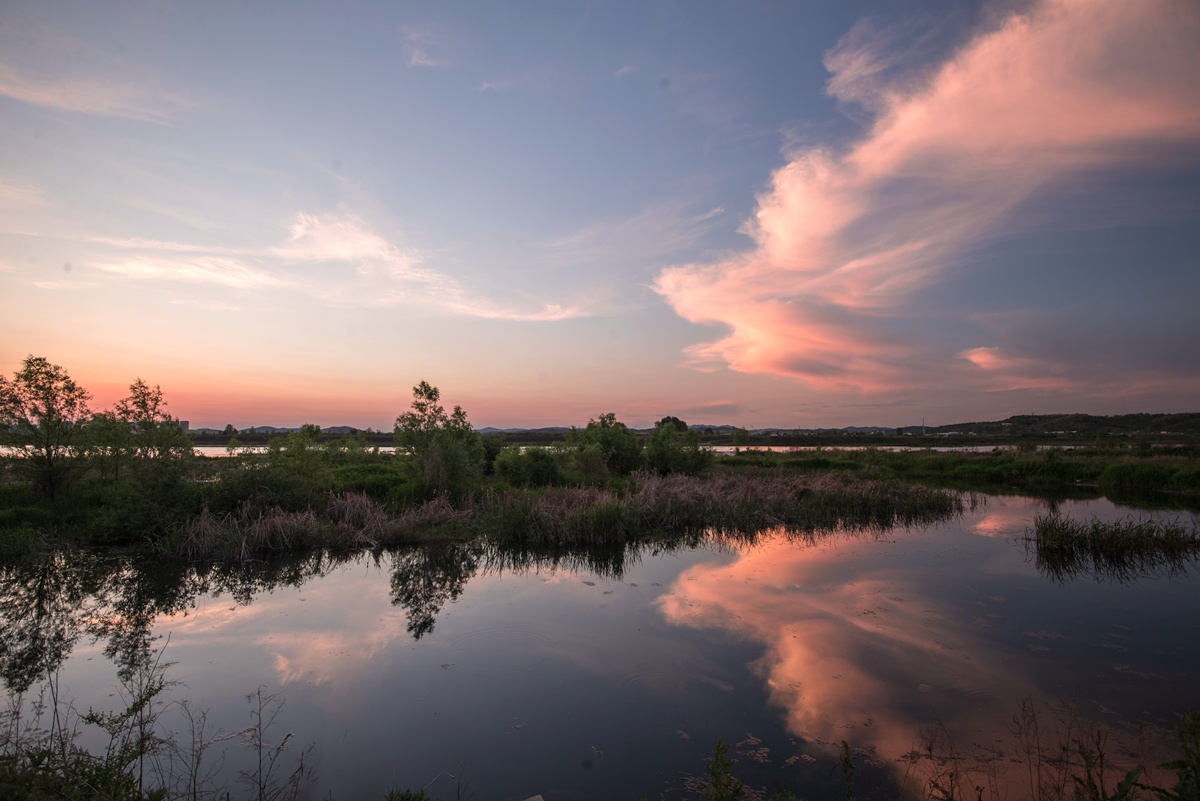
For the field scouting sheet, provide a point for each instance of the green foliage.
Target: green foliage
(1136, 474)
(155, 433)
(740, 436)
(846, 764)
(1118, 550)
(292, 481)
(41, 412)
(670, 449)
(407, 795)
(107, 444)
(444, 449)
(674, 422)
(1187, 768)
(721, 786)
(382, 481)
(492, 445)
(1186, 478)
(16, 542)
(535, 466)
(1091, 785)
(608, 442)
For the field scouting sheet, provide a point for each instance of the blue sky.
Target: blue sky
(790, 214)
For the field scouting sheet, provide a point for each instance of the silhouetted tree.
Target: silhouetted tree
(41, 412)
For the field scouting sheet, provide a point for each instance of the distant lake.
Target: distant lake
(610, 675)
(220, 450)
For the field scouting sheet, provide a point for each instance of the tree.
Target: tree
(669, 450)
(444, 448)
(229, 430)
(41, 411)
(678, 424)
(740, 436)
(108, 443)
(154, 430)
(612, 441)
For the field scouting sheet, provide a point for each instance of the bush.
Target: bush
(669, 450)
(1136, 474)
(382, 482)
(534, 467)
(1187, 478)
(621, 448)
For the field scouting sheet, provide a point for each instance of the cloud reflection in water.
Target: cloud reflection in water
(855, 646)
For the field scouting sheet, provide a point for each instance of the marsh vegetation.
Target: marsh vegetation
(113, 531)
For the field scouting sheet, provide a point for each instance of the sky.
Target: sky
(787, 214)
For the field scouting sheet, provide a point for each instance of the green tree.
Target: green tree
(229, 430)
(669, 450)
(535, 466)
(443, 447)
(740, 436)
(41, 413)
(107, 442)
(675, 422)
(618, 448)
(154, 430)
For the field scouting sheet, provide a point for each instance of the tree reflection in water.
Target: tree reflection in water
(47, 604)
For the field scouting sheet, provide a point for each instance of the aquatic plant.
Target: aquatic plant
(1116, 550)
(721, 786)
(647, 506)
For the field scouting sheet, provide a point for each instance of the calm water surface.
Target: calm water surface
(611, 682)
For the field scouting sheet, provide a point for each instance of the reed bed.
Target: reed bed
(652, 507)
(1117, 550)
(726, 504)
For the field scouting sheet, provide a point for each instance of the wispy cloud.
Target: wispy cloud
(659, 231)
(843, 238)
(89, 94)
(199, 270)
(63, 284)
(418, 43)
(627, 70)
(21, 196)
(536, 79)
(336, 257)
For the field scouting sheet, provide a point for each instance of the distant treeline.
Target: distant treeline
(129, 476)
(1027, 424)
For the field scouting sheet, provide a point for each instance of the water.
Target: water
(533, 675)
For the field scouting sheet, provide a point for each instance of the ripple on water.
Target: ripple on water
(499, 649)
(658, 679)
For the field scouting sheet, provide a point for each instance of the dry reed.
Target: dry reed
(656, 506)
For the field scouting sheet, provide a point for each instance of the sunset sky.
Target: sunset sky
(759, 213)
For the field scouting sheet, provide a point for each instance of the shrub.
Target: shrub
(534, 467)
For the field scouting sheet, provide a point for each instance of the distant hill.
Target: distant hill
(1186, 423)
(1019, 425)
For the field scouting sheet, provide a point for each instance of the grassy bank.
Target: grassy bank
(645, 507)
(1175, 469)
(344, 495)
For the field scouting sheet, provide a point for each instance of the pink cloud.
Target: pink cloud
(89, 94)
(847, 654)
(843, 239)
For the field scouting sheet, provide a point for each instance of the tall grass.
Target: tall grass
(648, 506)
(1118, 550)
